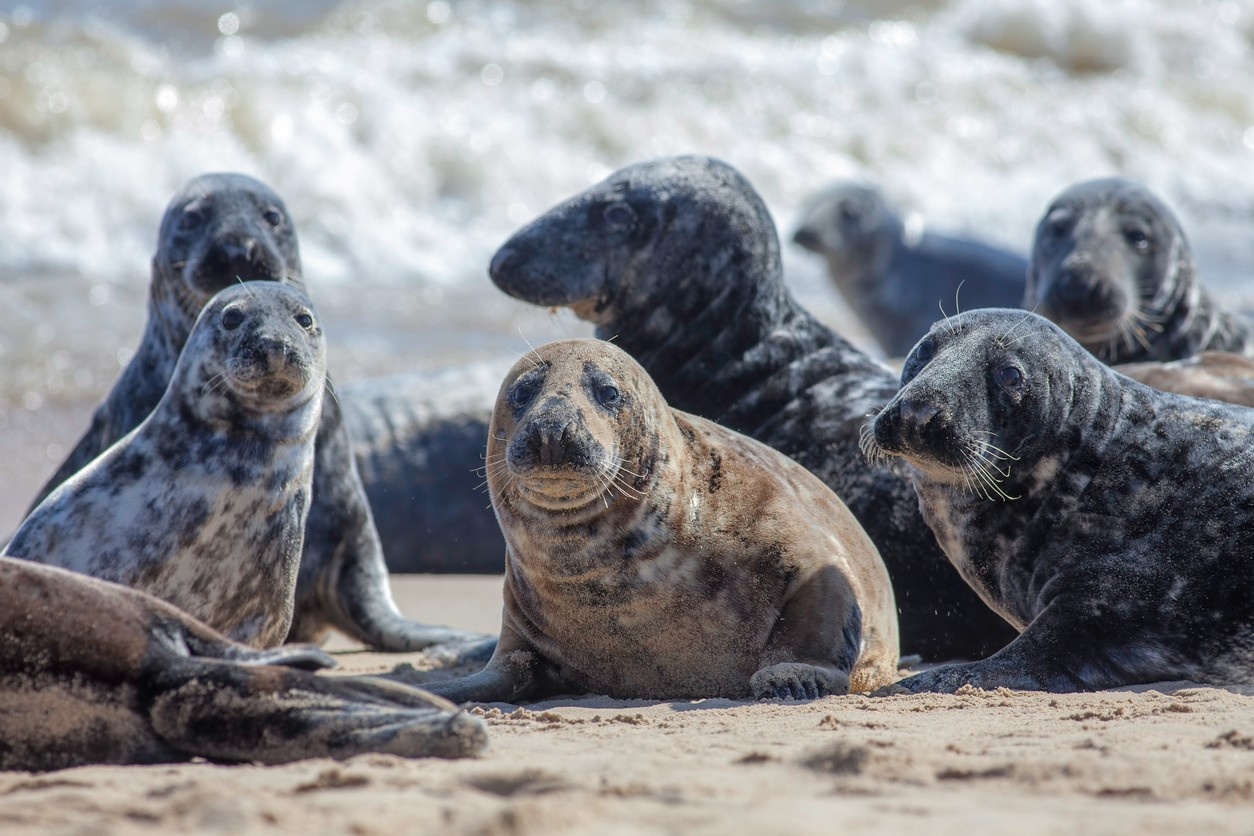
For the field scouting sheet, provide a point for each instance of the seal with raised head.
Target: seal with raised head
(656, 555)
(92, 672)
(204, 503)
(896, 279)
(1112, 266)
(219, 230)
(677, 261)
(1111, 523)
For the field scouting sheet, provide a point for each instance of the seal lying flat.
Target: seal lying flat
(656, 555)
(1112, 266)
(204, 503)
(92, 672)
(898, 282)
(1111, 523)
(1218, 375)
(677, 261)
(221, 229)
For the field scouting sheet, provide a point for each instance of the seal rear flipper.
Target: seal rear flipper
(226, 712)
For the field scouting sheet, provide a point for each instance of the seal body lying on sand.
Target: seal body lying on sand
(92, 672)
(898, 282)
(656, 555)
(204, 503)
(1112, 266)
(677, 261)
(1111, 523)
(1218, 375)
(219, 230)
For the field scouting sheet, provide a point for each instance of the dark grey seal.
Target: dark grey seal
(1111, 523)
(898, 281)
(204, 503)
(93, 672)
(1112, 266)
(656, 555)
(218, 230)
(677, 261)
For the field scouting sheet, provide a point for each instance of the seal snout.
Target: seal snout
(910, 425)
(1081, 291)
(555, 441)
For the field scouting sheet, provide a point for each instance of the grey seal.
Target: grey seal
(1111, 523)
(218, 230)
(204, 503)
(656, 555)
(1111, 265)
(92, 672)
(898, 280)
(677, 261)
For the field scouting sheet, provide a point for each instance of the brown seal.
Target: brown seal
(653, 554)
(1217, 375)
(93, 672)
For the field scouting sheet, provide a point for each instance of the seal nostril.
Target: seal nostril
(917, 415)
(806, 237)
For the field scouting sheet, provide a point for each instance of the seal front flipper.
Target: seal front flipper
(273, 715)
(515, 672)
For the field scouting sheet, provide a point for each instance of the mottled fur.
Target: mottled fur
(899, 281)
(219, 230)
(656, 555)
(91, 672)
(204, 503)
(1111, 265)
(677, 261)
(1111, 523)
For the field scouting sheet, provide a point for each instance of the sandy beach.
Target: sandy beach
(1166, 758)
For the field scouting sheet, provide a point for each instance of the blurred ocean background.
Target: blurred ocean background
(410, 138)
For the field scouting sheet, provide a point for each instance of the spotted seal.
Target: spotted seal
(204, 503)
(1111, 523)
(656, 555)
(1111, 264)
(898, 280)
(677, 261)
(218, 230)
(93, 672)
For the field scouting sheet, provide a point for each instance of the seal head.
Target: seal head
(1111, 265)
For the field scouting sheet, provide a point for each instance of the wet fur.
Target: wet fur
(1111, 264)
(1117, 532)
(653, 554)
(677, 261)
(204, 503)
(91, 672)
(899, 282)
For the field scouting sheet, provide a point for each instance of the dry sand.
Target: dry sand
(1172, 758)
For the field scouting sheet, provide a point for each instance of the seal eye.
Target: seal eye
(850, 213)
(1057, 223)
(304, 320)
(1008, 377)
(1138, 238)
(273, 217)
(619, 215)
(232, 318)
(609, 395)
(523, 390)
(192, 219)
(925, 351)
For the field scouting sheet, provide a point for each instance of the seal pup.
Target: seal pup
(1218, 375)
(218, 230)
(677, 261)
(656, 555)
(1110, 523)
(1111, 265)
(93, 672)
(897, 279)
(204, 503)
